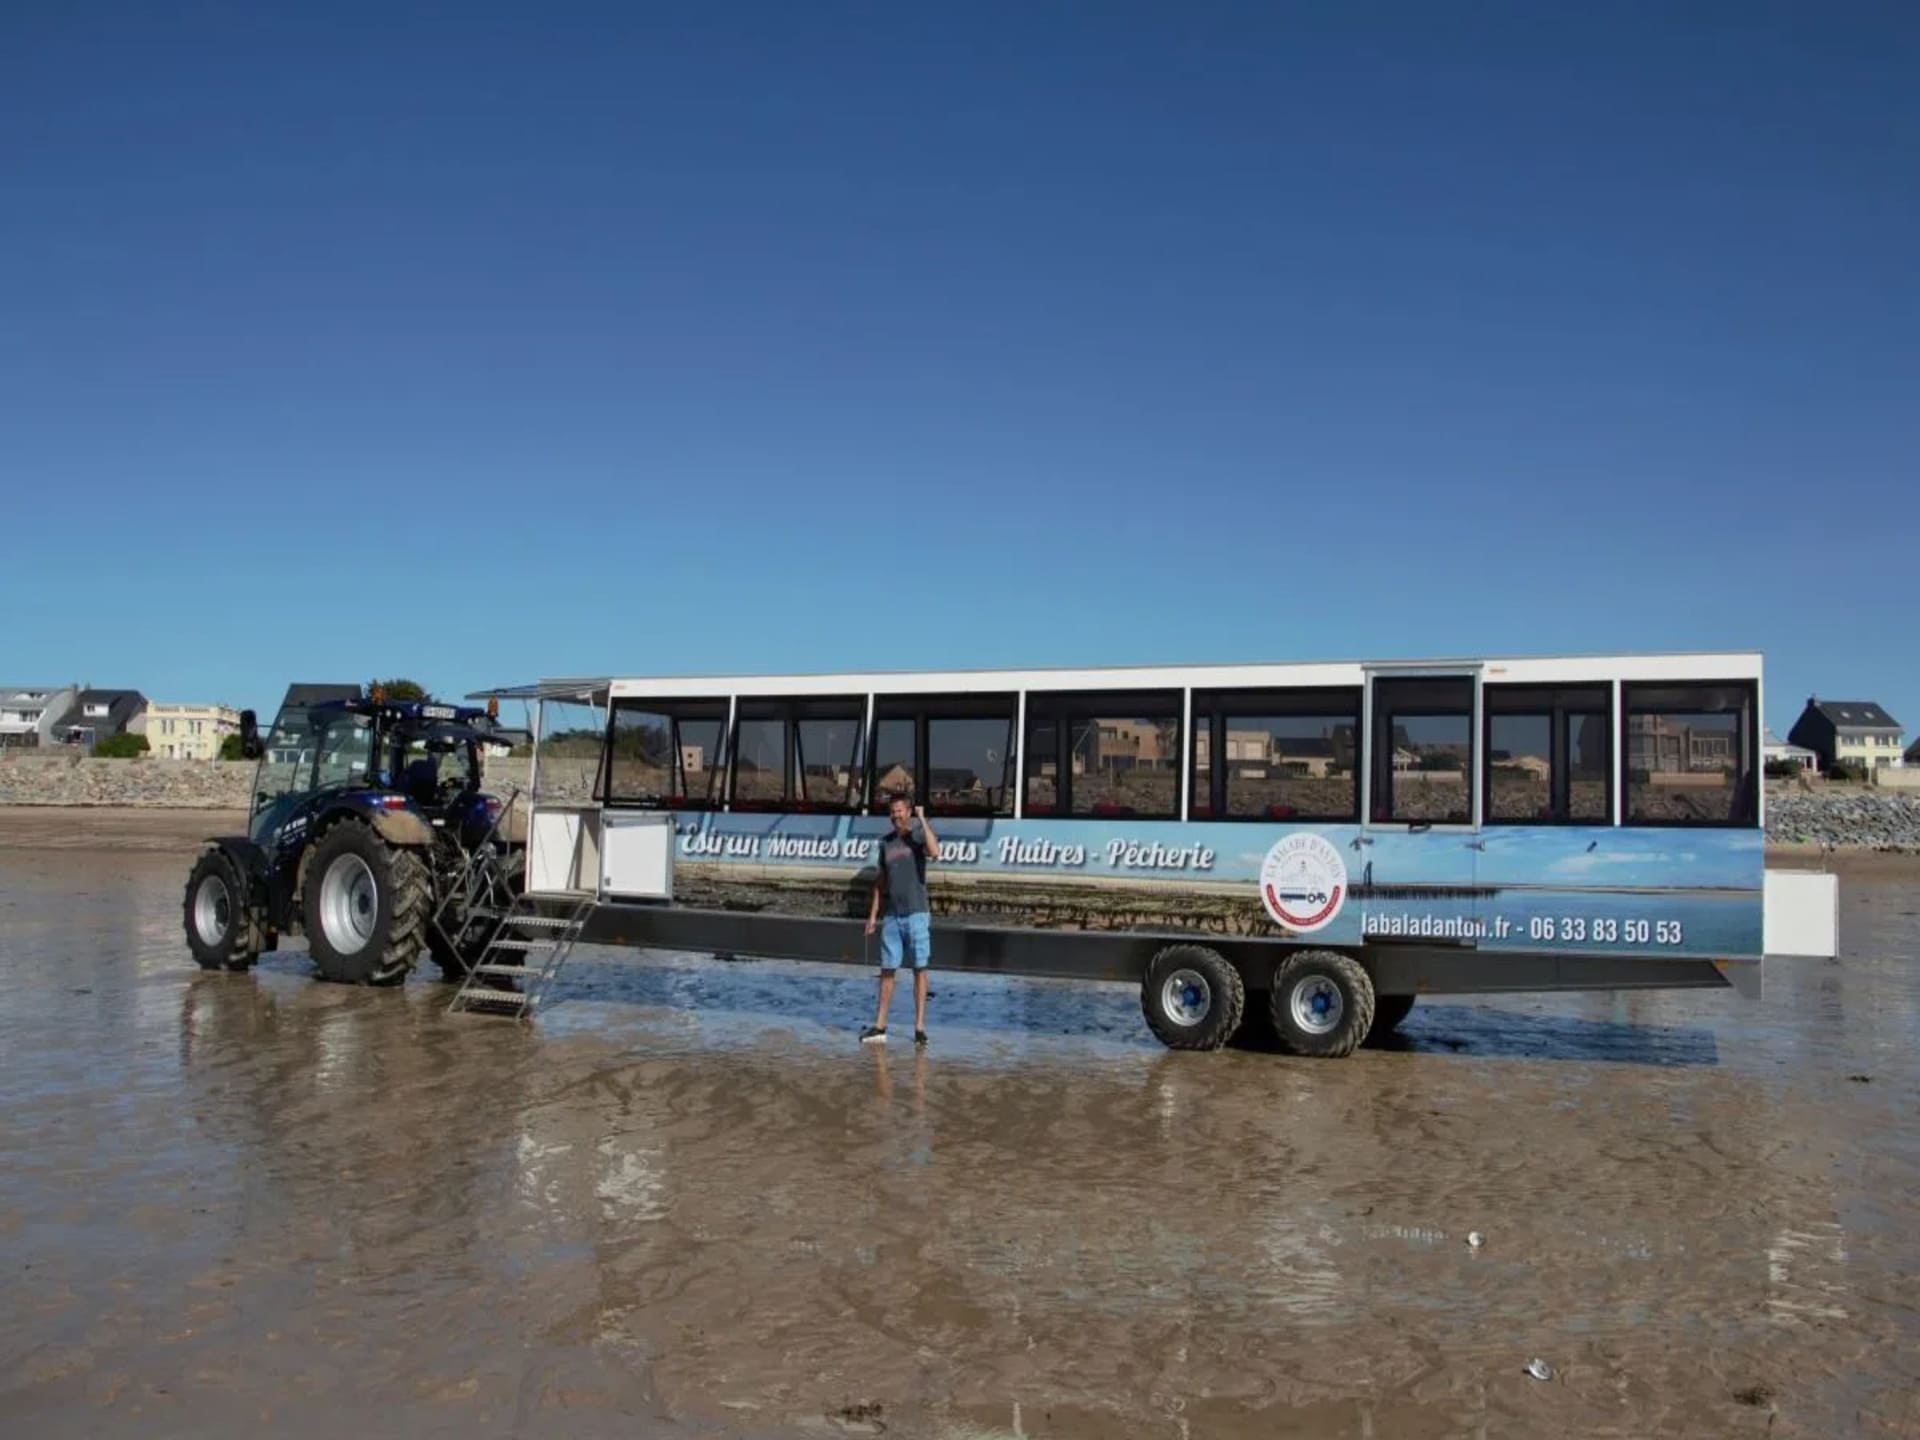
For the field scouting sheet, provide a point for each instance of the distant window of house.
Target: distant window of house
(1276, 755)
(94, 709)
(1688, 754)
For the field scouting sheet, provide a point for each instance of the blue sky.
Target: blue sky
(477, 343)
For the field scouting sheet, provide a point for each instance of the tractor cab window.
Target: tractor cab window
(343, 747)
(288, 759)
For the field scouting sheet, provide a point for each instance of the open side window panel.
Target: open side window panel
(666, 754)
(952, 754)
(799, 756)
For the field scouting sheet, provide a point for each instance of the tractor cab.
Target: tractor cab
(329, 739)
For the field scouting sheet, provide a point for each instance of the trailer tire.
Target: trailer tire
(1192, 997)
(365, 906)
(1388, 1012)
(1322, 1004)
(221, 931)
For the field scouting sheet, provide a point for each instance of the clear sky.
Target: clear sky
(479, 342)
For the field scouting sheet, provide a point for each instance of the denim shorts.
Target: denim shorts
(905, 935)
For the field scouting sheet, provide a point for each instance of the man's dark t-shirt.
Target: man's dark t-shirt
(903, 872)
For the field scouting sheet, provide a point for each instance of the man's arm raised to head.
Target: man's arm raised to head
(926, 832)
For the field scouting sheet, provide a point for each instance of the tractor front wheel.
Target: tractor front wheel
(365, 906)
(220, 928)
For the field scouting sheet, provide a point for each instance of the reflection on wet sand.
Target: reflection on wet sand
(685, 1203)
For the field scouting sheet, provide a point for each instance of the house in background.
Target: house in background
(96, 714)
(1775, 748)
(189, 732)
(28, 713)
(1855, 730)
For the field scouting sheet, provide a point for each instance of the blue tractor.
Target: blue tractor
(370, 834)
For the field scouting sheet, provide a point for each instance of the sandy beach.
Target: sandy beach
(684, 1203)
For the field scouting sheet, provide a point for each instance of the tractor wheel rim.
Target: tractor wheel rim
(1317, 1005)
(212, 910)
(1186, 997)
(349, 904)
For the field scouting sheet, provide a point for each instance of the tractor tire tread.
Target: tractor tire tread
(1359, 997)
(1219, 1028)
(243, 945)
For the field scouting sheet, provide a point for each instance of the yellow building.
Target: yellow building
(189, 732)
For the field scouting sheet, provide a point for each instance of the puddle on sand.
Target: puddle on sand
(685, 1202)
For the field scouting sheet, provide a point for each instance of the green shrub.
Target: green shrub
(230, 748)
(1846, 770)
(122, 747)
(1782, 769)
(399, 689)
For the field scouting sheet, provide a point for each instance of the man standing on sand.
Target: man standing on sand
(901, 881)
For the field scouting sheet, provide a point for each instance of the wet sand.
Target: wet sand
(684, 1203)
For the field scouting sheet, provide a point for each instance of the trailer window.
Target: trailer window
(666, 754)
(1549, 753)
(1042, 755)
(1689, 754)
(760, 764)
(951, 753)
(1423, 751)
(893, 762)
(798, 755)
(827, 761)
(1120, 756)
(1276, 755)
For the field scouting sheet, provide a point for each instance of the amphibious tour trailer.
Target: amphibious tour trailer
(1305, 847)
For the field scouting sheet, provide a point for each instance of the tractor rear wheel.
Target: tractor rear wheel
(220, 928)
(365, 907)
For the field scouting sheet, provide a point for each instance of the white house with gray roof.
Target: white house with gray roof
(28, 713)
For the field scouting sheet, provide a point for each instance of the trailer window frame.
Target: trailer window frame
(790, 713)
(1559, 703)
(925, 711)
(1065, 709)
(1436, 704)
(1746, 789)
(1214, 710)
(703, 709)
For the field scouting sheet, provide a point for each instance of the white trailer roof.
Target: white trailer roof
(1535, 669)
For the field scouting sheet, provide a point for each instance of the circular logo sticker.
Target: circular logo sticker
(1303, 882)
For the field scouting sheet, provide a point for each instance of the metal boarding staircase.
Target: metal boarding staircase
(529, 936)
(530, 943)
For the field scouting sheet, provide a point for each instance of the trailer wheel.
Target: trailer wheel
(220, 928)
(1388, 1012)
(1192, 997)
(1323, 1004)
(365, 907)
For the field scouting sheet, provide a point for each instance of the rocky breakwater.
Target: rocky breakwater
(1845, 817)
(71, 779)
